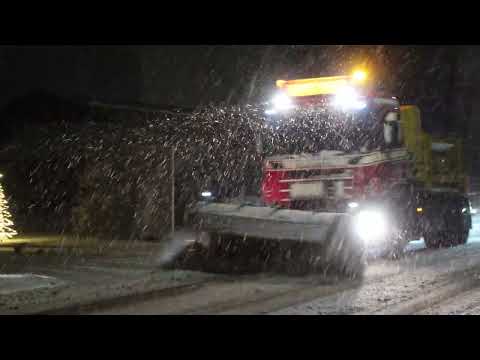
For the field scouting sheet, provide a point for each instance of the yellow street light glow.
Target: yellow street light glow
(359, 75)
(419, 210)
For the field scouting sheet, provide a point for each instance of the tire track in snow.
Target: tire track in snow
(465, 303)
(400, 294)
(388, 284)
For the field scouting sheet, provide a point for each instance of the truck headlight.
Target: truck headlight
(347, 99)
(370, 225)
(281, 102)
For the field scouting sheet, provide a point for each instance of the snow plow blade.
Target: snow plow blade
(265, 238)
(266, 222)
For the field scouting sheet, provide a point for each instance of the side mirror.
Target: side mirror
(391, 129)
(389, 132)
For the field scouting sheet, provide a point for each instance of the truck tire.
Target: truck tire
(462, 237)
(453, 229)
(446, 239)
(431, 240)
(439, 239)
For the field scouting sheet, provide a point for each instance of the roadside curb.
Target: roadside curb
(117, 294)
(113, 301)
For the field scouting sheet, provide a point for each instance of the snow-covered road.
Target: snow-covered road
(423, 281)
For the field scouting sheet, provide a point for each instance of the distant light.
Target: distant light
(1, 176)
(472, 210)
(359, 75)
(419, 209)
(270, 112)
(352, 205)
(206, 194)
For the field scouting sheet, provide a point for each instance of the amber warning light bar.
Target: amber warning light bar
(342, 87)
(311, 87)
(320, 86)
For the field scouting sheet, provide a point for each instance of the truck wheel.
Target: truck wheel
(462, 238)
(435, 240)
(450, 239)
(445, 239)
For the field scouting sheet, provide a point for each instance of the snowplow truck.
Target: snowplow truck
(366, 180)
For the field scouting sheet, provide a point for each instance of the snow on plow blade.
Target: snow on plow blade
(266, 238)
(268, 223)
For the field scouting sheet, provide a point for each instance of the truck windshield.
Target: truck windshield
(314, 130)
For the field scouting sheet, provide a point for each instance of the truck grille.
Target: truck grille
(317, 188)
